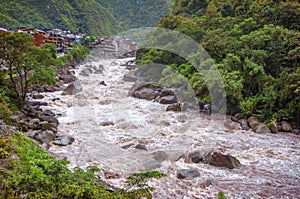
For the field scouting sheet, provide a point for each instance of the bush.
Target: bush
(77, 54)
(6, 106)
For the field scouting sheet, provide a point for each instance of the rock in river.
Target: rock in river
(286, 127)
(187, 173)
(174, 107)
(168, 99)
(219, 159)
(143, 90)
(196, 156)
(141, 147)
(72, 89)
(64, 140)
(253, 121)
(261, 128)
(45, 136)
(160, 156)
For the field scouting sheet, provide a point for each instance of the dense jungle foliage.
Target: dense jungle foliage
(255, 45)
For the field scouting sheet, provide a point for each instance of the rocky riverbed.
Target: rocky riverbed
(123, 134)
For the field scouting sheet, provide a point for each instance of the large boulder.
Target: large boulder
(174, 107)
(253, 121)
(64, 140)
(73, 88)
(166, 92)
(187, 173)
(141, 147)
(67, 79)
(220, 159)
(286, 127)
(170, 99)
(45, 136)
(160, 156)
(144, 90)
(261, 128)
(244, 124)
(196, 157)
(139, 85)
(86, 71)
(273, 127)
(146, 93)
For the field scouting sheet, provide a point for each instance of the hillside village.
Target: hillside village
(63, 39)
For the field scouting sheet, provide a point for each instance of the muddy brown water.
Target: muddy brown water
(270, 162)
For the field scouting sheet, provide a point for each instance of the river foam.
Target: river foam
(102, 119)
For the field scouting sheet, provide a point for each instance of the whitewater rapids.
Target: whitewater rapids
(270, 162)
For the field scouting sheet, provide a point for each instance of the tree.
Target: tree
(21, 59)
(77, 54)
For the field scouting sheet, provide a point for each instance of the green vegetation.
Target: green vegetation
(26, 170)
(94, 17)
(135, 14)
(76, 55)
(221, 195)
(255, 45)
(25, 64)
(35, 174)
(6, 104)
(86, 16)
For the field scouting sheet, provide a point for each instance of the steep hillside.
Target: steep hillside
(137, 13)
(86, 16)
(255, 45)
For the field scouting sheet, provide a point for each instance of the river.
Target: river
(103, 119)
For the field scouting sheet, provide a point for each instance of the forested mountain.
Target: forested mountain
(86, 16)
(96, 17)
(255, 45)
(137, 13)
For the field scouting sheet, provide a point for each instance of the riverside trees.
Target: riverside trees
(256, 46)
(24, 64)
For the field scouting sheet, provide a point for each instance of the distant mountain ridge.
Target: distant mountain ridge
(96, 17)
(137, 13)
